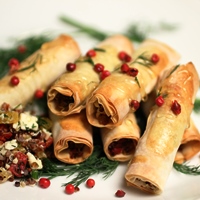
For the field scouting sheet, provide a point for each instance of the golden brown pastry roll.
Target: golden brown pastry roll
(152, 162)
(39, 70)
(190, 144)
(120, 142)
(122, 91)
(68, 94)
(73, 138)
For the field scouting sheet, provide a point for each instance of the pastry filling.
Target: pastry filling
(75, 149)
(62, 102)
(101, 115)
(145, 184)
(123, 146)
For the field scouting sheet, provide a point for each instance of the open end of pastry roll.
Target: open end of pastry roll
(120, 142)
(153, 160)
(68, 94)
(190, 144)
(73, 138)
(110, 102)
(39, 70)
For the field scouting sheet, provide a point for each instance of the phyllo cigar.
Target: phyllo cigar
(120, 142)
(69, 92)
(190, 144)
(153, 160)
(38, 71)
(122, 91)
(73, 138)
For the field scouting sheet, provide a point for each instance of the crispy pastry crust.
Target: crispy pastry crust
(72, 129)
(115, 93)
(68, 94)
(48, 64)
(156, 150)
(128, 130)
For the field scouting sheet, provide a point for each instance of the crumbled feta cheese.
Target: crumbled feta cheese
(16, 126)
(22, 184)
(47, 133)
(3, 151)
(9, 145)
(34, 162)
(7, 166)
(15, 161)
(27, 122)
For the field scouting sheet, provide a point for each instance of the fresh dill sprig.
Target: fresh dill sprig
(82, 28)
(95, 164)
(143, 60)
(187, 169)
(33, 64)
(172, 71)
(134, 32)
(139, 31)
(31, 43)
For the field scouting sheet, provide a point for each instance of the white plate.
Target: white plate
(18, 18)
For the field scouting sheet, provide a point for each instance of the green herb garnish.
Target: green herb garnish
(82, 28)
(143, 60)
(95, 164)
(134, 32)
(33, 64)
(187, 169)
(139, 31)
(31, 44)
(197, 105)
(173, 70)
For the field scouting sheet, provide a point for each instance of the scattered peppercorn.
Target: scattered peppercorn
(123, 56)
(155, 58)
(135, 104)
(105, 74)
(90, 183)
(159, 101)
(39, 94)
(125, 68)
(21, 48)
(132, 72)
(120, 193)
(91, 53)
(99, 67)
(70, 67)
(14, 80)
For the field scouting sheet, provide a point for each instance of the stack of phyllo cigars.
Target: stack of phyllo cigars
(102, 89)
(67, 97)
(105, 87)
